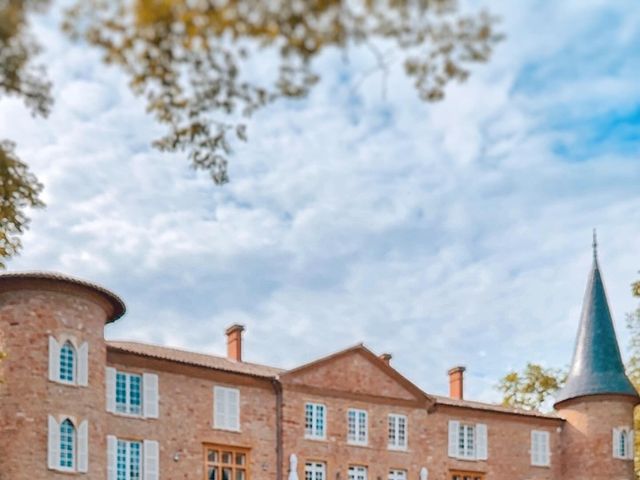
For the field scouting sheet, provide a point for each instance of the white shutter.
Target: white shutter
(233, 409)
(110, 378)
(83, 447)
(150, 395)
(54, 360)
(112, 452)
(481, 442)
(151, 451)
(632, 445)
(454, 441)
(219, 410)
(83, 364)
(53, 457)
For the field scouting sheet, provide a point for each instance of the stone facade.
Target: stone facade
(272, 407)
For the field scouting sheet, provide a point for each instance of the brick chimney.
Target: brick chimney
(456, 383)
(386, 358)
(234, 342)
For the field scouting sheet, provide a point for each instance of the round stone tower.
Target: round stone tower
(52, 333)
(598, 399)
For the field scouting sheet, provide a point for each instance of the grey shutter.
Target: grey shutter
(219, 407)
(454, 441)
(150, 395)
(83, 364)
(482, 452)
(83, 447)
(151, 452)
(53, 453)
(54, 360)
(616, 442)
(110, 378)
(632, 445)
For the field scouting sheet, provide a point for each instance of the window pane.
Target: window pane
(134, 460)
(226, 474)
(240, 474)
(240, 458)
(227, 457)
(121, 392)
(212, 456)
(135, 395)
(212, 473)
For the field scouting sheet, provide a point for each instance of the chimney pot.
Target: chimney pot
(234, 342)
(386, 358)
(456, 383)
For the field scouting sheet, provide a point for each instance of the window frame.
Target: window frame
(219, 465)
(74, 363)
(395, 418)
(74, 446)
(128, 442)
(128, 404)
(397, 474)
(467, 433)
(362, 469)
(312, 434)
(314, 467)
(358, 413)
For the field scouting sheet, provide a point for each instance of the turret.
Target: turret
(598, 399)
(52, 394)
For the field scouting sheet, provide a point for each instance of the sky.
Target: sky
(454, 233)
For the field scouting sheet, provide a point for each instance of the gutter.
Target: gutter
(277, 389)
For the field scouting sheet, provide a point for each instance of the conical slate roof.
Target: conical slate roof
(597, 366)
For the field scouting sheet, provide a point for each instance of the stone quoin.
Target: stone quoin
(74, 405)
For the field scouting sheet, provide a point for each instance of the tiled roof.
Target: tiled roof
(197, 359)
(115, 301)
(492, 407)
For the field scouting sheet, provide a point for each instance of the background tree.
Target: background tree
(530, 388)
(19, 189)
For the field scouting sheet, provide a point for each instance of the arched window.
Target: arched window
(67, 444)
(67, 363)
(623, 444)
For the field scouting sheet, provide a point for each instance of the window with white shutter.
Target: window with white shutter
(67, 446)
(132, 459)
(397, 434)
(315, 417)
(67, 364)
(540, 454)
(468, 441)
(226, 408)
(357, 426)
(623, 443)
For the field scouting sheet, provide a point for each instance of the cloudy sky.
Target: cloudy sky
(454, 233)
